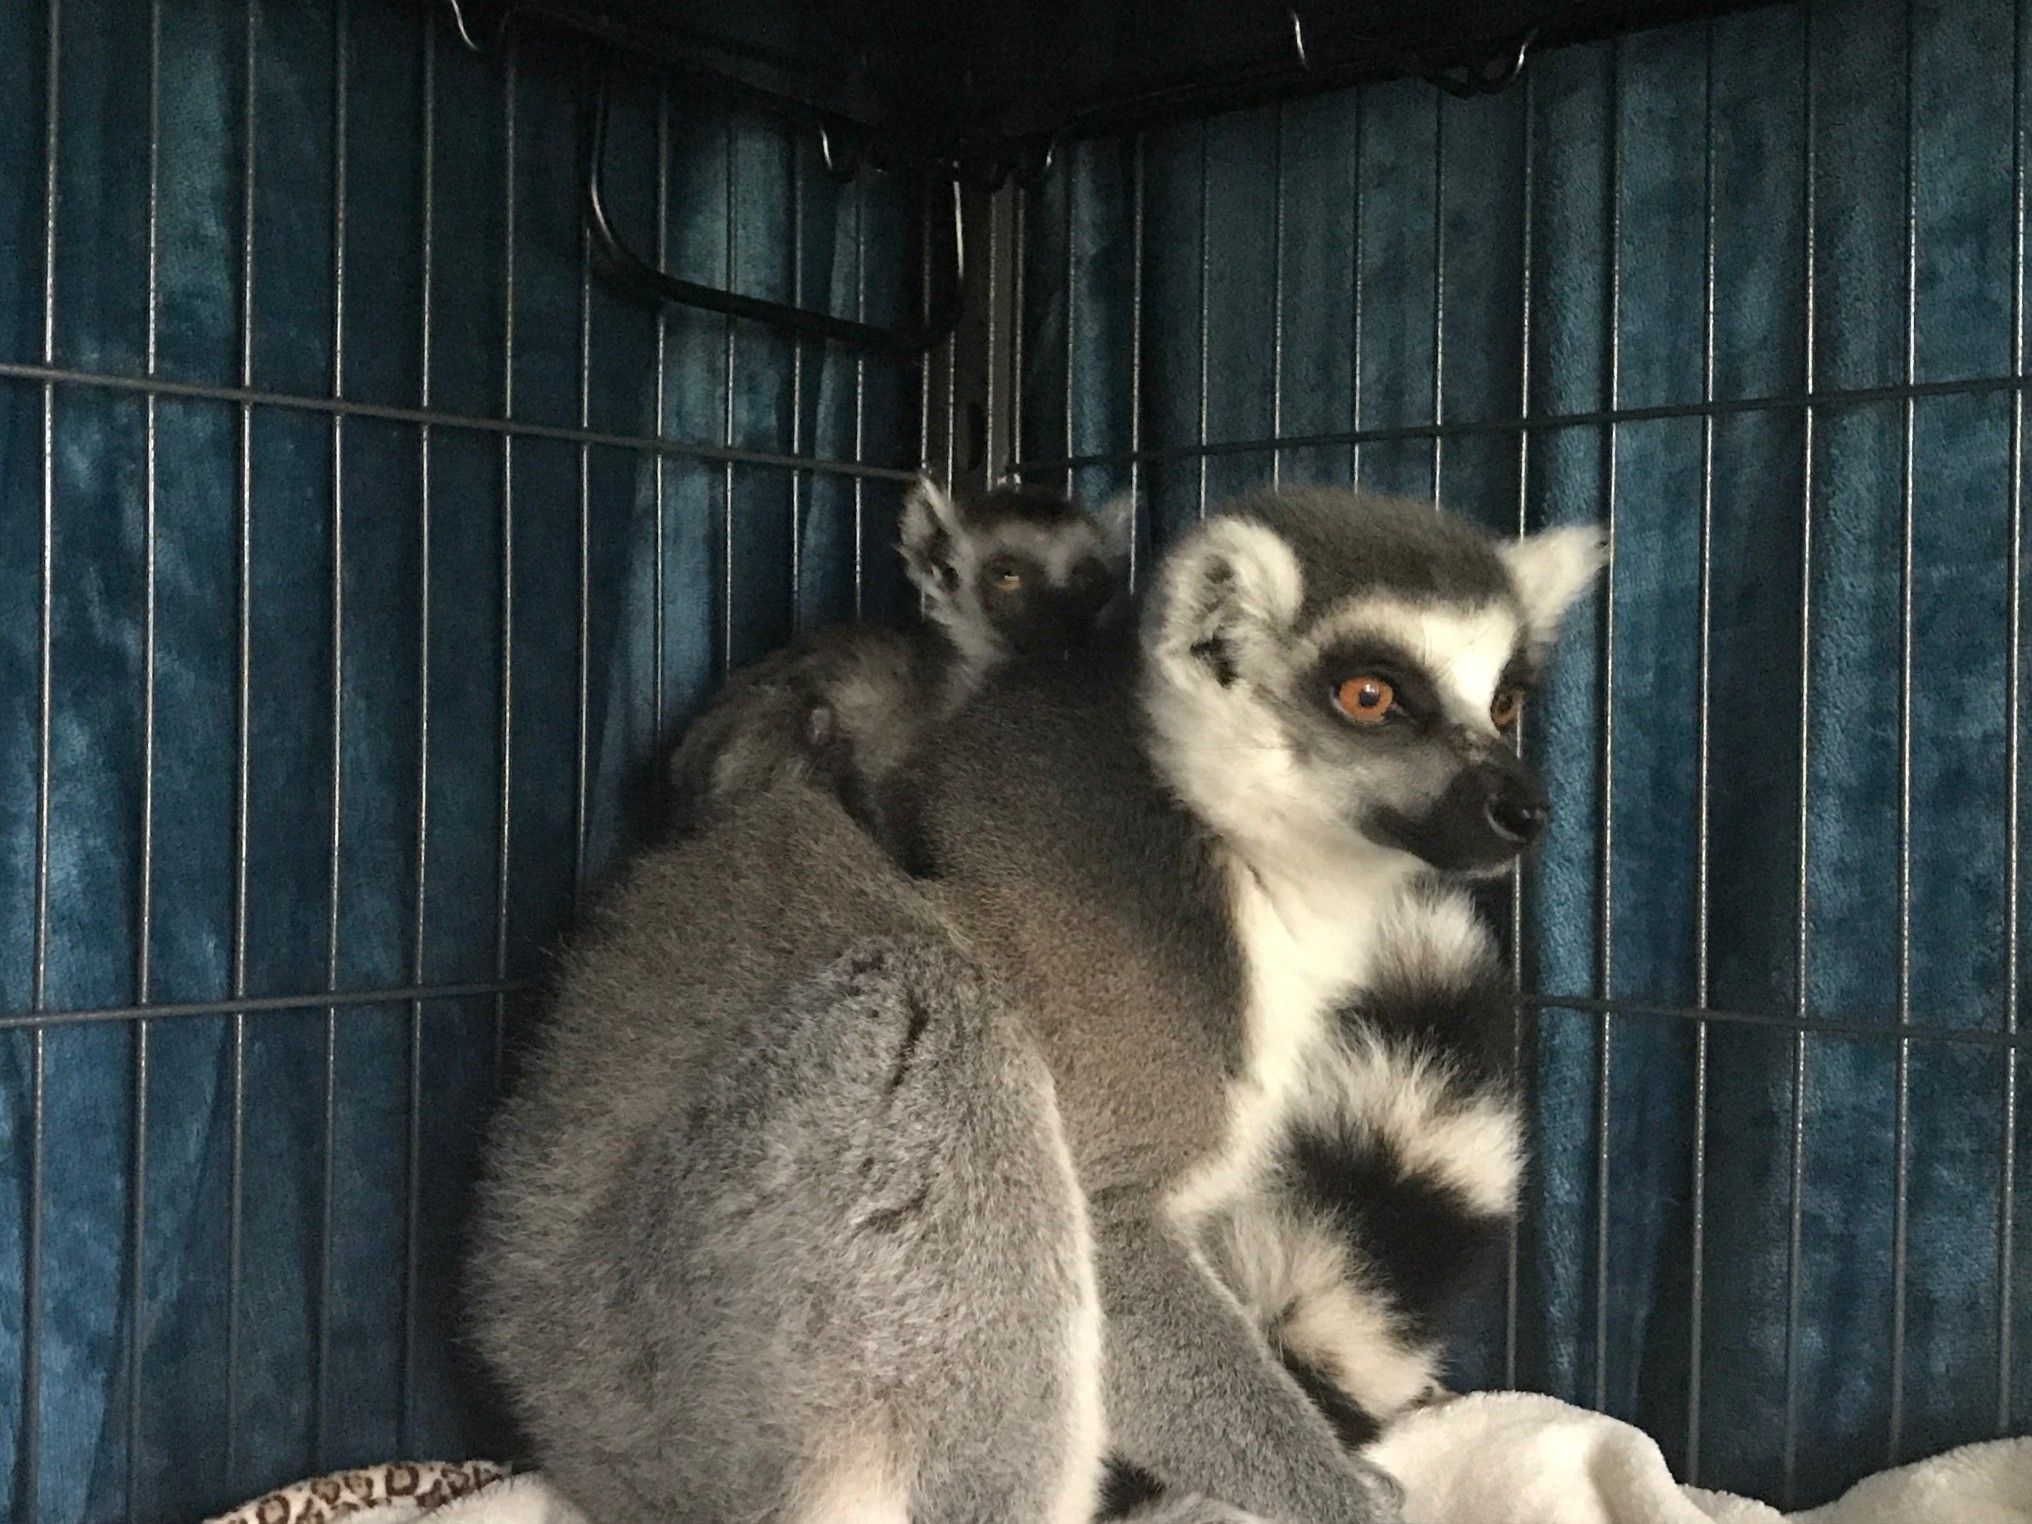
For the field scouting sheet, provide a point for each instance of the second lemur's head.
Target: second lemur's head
(1326, 670)
(1015, 571)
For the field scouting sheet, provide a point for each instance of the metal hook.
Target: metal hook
(1034, 163)
(911, 336)
(844, 162)
(1298, 37)
(1490, 75)
(465, 30)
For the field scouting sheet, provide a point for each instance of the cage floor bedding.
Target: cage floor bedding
(1487, 1458)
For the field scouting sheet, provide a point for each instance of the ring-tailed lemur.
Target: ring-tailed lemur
(1164, 863)
(1211, 917)
(1014, 572)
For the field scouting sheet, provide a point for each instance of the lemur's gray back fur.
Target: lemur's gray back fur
(781, 1225)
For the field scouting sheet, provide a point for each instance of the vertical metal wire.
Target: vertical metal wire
(1606, 925)
(727, 431)
(505, 817)
(1360, 279)
(1205, 274)
(1697, 1267)
(413, 1185)
(1903, 1103)
(1072, 230)
(1513, 1249)
(236, 1215)
(335, 845)
(1276, 302)
(861, 396)
(1136, 254)
(1795, 1241)
(582, 777)
(2007, 1209)
(656, 593)
(31, 1278)
(137, 1222)
(951, 346)
(1020, 276)
(993, 455)
(796, 386)
(1438, 288)
(924, 460)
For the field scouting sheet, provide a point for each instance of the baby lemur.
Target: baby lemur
(1185, 876)
(1015, 572)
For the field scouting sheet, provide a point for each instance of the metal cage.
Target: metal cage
(360, 542)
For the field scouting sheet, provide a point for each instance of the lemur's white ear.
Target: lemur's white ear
(1116, 520)
(1550, 570)
(1229, 591)
(931, 522)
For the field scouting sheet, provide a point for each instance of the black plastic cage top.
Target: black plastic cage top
(360, 535)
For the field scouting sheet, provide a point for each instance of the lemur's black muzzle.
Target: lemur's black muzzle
(1513, 801)
(1493, 810)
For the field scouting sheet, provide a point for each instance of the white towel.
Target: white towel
(1488, 1458)
(1519, 1458)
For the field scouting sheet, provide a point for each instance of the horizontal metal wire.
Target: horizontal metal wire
(240, 1005)
(338, 407)
(1829, 1026)
(1720, 407)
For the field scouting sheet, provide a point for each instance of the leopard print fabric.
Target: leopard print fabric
(422, 1485)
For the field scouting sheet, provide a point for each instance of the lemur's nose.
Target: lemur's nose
(1517, 810)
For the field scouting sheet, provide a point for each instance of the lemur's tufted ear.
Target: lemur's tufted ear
(1549, 571)
(931, 522)
(1231, 590)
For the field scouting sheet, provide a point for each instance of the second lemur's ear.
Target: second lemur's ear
(1549, 571)
(1116, 520)
(1229, 592)
(931, 523)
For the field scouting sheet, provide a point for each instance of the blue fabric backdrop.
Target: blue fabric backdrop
(251, 613)
(1651, 249)
(254, 599)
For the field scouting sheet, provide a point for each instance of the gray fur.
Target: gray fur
(845, 706)
(785, 1188)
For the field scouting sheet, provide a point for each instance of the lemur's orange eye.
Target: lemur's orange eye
(1366, 699)
(1506, 708)
(1005, 576)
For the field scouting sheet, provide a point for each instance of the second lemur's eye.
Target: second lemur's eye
(1005, 576)
(1367, 700)
(1507, 707)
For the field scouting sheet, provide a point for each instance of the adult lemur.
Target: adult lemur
(744, 1252)
(1011, 573)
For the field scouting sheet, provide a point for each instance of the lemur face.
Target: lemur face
(1333, 669)
(1406, 714)
(1015, 572)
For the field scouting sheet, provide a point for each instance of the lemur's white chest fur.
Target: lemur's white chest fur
(1305, 944)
